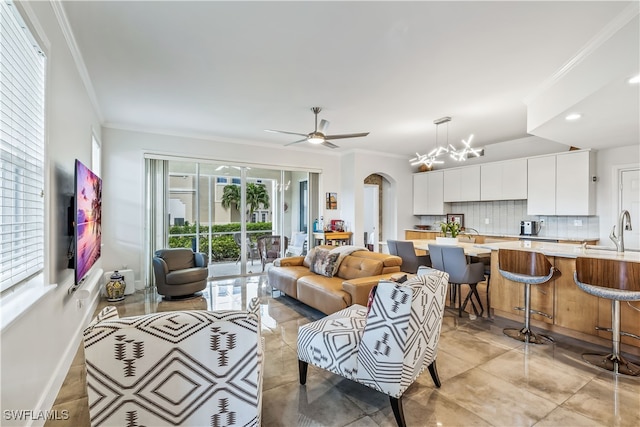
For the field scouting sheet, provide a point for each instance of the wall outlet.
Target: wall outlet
(577, 222)
(487, 221)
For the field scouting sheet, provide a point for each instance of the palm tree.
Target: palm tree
(256, 196)
(231, 196)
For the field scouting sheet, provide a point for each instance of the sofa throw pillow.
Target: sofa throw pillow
(324, 262)
(308, 259)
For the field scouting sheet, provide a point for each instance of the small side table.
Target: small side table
(333, 238)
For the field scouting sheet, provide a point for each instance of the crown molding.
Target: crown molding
(208, 137)
(34, 23)
(615, 25)
(65, 27)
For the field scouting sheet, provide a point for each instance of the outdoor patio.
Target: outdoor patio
(232, 268)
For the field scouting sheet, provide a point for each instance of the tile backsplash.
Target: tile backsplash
(504, 216)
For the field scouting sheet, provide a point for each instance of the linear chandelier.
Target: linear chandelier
(433, 156)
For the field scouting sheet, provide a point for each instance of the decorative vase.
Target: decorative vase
(115, 287)
(446, 240)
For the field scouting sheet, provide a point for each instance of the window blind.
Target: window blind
(22, 80)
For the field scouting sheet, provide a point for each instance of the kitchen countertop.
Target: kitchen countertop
(563, 250)
(517, 236)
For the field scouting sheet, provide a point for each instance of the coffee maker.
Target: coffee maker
(529, 228)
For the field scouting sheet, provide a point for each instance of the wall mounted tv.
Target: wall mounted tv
(88, 217)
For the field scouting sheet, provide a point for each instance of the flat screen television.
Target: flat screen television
(88, 217)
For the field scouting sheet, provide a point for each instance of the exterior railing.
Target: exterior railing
(219, 245)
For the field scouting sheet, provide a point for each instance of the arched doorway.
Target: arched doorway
(373, 217)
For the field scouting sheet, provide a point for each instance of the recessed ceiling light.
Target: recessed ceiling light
(573, 116)
(635, 79)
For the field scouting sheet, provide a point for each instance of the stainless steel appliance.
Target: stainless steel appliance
(529, 228)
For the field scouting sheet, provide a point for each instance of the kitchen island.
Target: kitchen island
(575, 313)
(480, 237)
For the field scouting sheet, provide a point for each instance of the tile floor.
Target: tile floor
(487, 378)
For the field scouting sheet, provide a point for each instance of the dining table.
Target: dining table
(470, 249)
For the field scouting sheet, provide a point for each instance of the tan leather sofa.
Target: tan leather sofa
(357, 274)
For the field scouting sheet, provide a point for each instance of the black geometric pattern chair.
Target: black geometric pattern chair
(387, 348)
(186, 368)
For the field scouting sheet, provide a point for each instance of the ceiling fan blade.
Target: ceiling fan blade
(346, 135)
(328, 144)
(324, 125)
(284, 131)
(296, 142)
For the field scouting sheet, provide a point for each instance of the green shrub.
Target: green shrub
(223, 246)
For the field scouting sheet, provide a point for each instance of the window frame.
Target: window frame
(21, 296)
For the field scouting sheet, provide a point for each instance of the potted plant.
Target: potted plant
(450, 231)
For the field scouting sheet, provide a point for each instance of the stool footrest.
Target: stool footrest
(629, 334)
(540, 313)
(626, 334)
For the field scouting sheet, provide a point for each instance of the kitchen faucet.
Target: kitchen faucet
(624, 223)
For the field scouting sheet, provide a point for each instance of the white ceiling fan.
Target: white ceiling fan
(318, 136)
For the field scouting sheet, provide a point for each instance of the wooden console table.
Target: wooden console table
(334, 238)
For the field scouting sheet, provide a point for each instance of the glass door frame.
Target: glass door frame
(277, 208)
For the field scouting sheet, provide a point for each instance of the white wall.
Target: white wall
(123, 182)
(397, 199)
(38, 347)
(608, 161)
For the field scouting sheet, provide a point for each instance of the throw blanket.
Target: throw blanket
(344, 251)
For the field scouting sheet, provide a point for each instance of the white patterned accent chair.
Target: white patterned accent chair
(387, 348)
(177, 368)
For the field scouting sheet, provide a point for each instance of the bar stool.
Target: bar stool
(529, 268)
(616, 280)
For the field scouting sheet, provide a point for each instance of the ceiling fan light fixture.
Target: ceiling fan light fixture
(315, 139)
(319, 136)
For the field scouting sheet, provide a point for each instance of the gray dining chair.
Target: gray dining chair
(405, 250)
(393, 248)
(452, 260)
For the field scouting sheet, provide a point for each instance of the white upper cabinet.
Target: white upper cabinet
(562, 184)
(504, 180)
(462, 184)
(556, 184)
(575, 187)
(428, 193)
(541, 184)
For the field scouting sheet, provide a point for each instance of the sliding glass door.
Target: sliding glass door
(224, 210)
